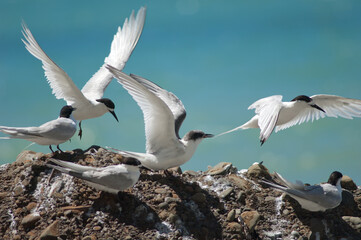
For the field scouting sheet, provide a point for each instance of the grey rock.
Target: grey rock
(231, 215)
(226, 193)
(348, 183)
(30, 220)
(258, 171)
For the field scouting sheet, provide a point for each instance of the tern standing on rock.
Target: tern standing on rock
(89, 102)
(110, 179)
(312, 198)
(272, 113)
(163, 116)
(50, 133)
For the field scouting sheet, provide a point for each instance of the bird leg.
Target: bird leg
(57, 146)
(80, 134)
(51, 149)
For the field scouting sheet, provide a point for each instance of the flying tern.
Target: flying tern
(89, 102)
(273, 114)
(314, 198)
(50, 133)
(163, 116)
(111, 179)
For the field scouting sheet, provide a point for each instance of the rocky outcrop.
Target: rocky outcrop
(219, 203)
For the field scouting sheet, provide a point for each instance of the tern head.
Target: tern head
(110, 105)
(196, 135)
(131, 161)
(66, 111)
(335, 178)
(307, 100)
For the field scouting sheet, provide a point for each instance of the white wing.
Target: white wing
(158, 118)
(334, 106)
(122, 47)
(62, 85)
(268, 110)
(173, 102)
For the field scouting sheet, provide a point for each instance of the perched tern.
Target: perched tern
(111, 179)
(314, 198)
(272, 113)
(89, 102)
(50, 133)
(163, 116)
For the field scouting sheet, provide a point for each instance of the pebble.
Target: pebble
(348, 183)
(226, 193)
(30, 220)
(234, 227)
(97, 228)
(231, 215)
(221, 168)
(51, 232)
(238, 181)
(250, 218)
(160, 191)
(258, 171)
(18, 190)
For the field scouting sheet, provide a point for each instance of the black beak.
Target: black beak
(208, 135)
(317, 107)
(114, 115)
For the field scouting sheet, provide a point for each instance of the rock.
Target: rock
(226, 193)
(175, 170)
(18, 190)
(191, 173)
(199, 197)
(30, 220)
(250, 218)
(221, 168)
(238, 181)
(51, 232)
(231, 215)
(258, 171)
(160, 191)
(31, 206)
(234, 227)
(348, 183)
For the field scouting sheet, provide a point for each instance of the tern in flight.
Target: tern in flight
(163, 116)
(273, 114)
(112, 179)
(89, 102)
(50, 133)
(313, 198)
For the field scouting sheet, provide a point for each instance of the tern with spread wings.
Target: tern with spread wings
(163, 116)
(89, 102)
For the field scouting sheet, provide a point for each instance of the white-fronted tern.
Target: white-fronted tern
(314, 198)
(89, 102)
(163, 115)
(111, 179)
(50, 133)
(273, 114)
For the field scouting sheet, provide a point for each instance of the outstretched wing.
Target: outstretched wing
(62, 85)
(122, 47)
(334, 106)
(173, 102)
(268, 110)
(158, 118)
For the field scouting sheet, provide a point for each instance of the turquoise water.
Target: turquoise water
(218, 57)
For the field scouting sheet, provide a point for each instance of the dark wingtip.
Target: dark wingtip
(262, 141)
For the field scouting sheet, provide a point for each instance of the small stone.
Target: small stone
(97, 228)
(348, 183)
(191, 173)
(163, 205)
(3, 195)
(234, 227)
(250, 218)
(91, 237)
(175, 170)
(221, 168)
(30, 220)
(18, 190)
(31, 206)
(258, 171)
(238, 181)
(226, 193)
(270, 199)
(160, 191)
(231, 215)
(51, 232)
(199, 197)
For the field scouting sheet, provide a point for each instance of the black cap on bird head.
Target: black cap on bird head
(66, 111)
(110, 105)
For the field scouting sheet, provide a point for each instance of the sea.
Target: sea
(217, 56)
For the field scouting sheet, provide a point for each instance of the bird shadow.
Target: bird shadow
(190, 205)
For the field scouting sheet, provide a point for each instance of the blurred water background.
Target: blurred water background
(218, 57)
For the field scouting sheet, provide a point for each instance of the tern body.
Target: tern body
(50, 133)
(89, 102)
(273, 114)
(312, 198)
(163, 116)
(111, 179)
